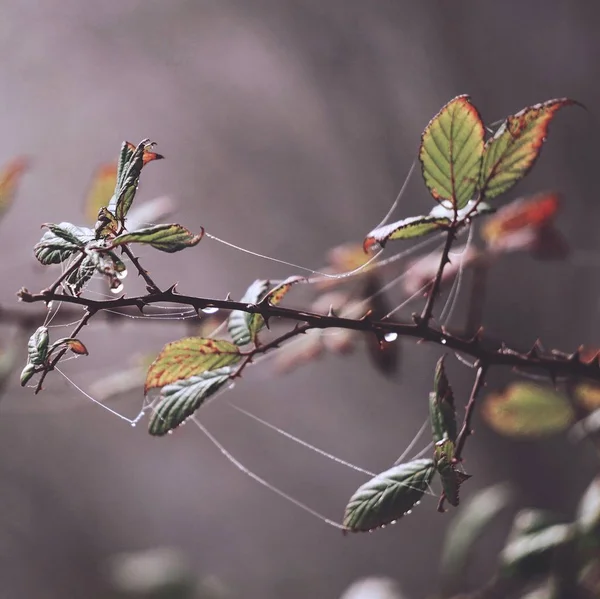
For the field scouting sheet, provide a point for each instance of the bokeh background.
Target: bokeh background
(288, 127)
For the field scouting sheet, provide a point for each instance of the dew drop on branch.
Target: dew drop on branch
(392, 336)
(210, 310)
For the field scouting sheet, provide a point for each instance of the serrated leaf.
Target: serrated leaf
(189, 357)
(10, 176)
(130, 166)
(527, 410)
(181, 399)
(451, 152)
(443, 458)
(442, 411)
(388, 496)
(101, 190)
(276, 295)
(510, 154)
(536, 553)
(60, 242)
(71, 233)
(244, 327)
(166, 238)
(465, 529)
(588, 514)
(26, 374)
(78, 279)
(408, 228)
(37, 346)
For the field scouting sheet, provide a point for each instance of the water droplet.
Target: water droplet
(117, 288)
(170, 432)
(389, 337)
(49, 305)
(231, 386)
(408, 513)
(133, 423)
(122, 274)
(443, 342)
(210, 310)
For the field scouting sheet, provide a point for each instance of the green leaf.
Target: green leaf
(511, 153)
(408, 228)
(189, 357)
(78, 279)
(166, 238)
(27, 373)
(244, 327)
(106, 224)
(451, 152)
(37, 346)
(465, 529)
(71, 233)
(527, 410)
(441, 406)
(181, 399)
(60, 242)
(537, 553)
(388, 496)
(588, 514)
(129, 168)
(451, 478)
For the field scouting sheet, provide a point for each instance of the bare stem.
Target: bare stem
(152, 286)
(425, 317)
(466, 431)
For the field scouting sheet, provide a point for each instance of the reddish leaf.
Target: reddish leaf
(10, 176)
(188, 357)
(527, 225)
(512, 151)
(148, 155)
(276, 295)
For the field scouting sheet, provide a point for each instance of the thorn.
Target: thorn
(576, 355)
(536, 350)
(331, 313)
(477, 336)
(141, 305)
(228, 297)
(172, 290)
(367, 315)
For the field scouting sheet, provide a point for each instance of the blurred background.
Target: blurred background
(288, 127)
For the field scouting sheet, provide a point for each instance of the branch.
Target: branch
(425, 317)
(151, 285)
(555, 363)
(466, 431)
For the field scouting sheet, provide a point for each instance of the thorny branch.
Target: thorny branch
(555, 363)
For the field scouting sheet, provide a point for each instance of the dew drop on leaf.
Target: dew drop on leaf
(210, 310)
(392, 336)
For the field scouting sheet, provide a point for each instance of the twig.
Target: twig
(47, 368)
(466, 431)
(65, 275)
(152, 286)
(425, 317)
